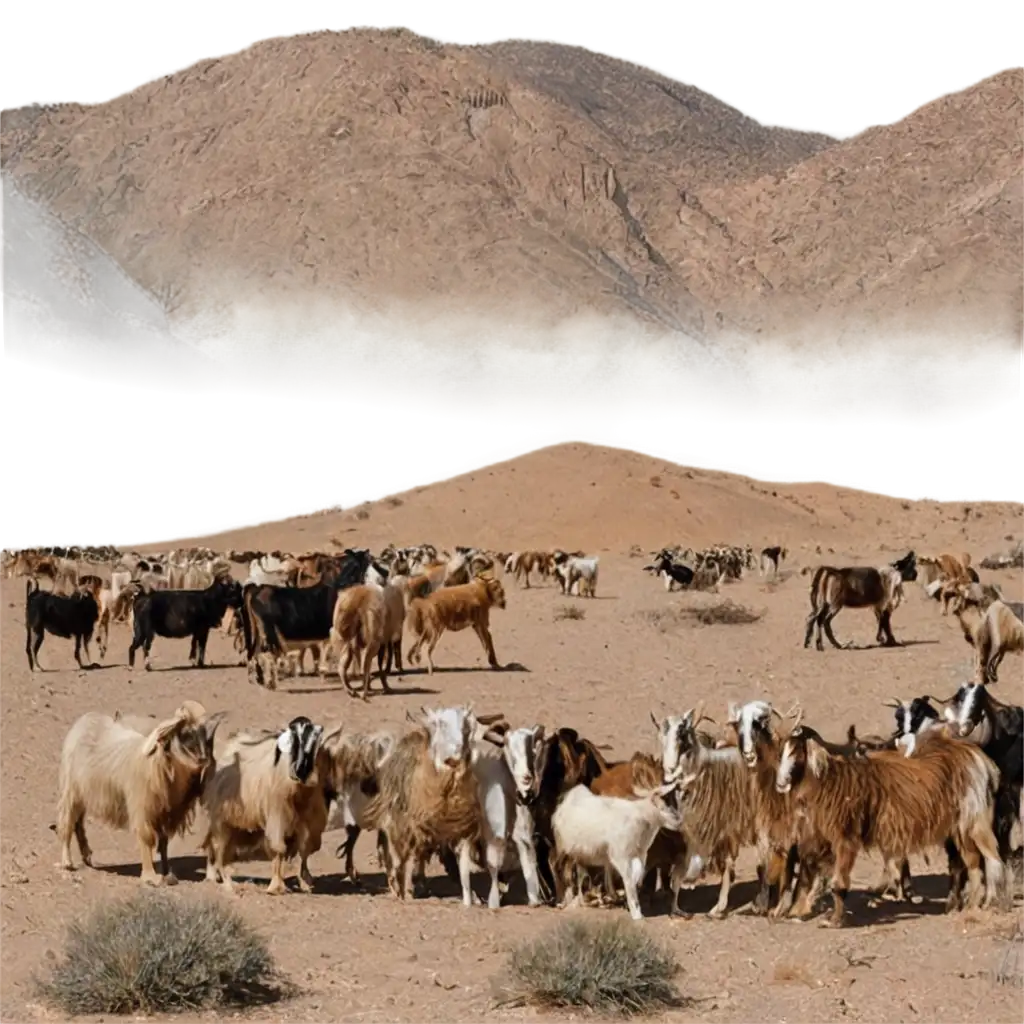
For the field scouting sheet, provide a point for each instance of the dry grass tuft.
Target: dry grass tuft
(721, 613)
(1011, 966)
(154, 953)
(569, 611)
(610, 967)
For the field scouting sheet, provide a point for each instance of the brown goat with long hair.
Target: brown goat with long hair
(880, 589)
(993, 627)
(453, 609)
(893, 804)
(419, 807)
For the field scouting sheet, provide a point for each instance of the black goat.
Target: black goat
(675, 572)
(274, 616)
(71, 616)
(833, 589)
(181, 613)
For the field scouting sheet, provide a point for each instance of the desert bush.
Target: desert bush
(152, 953)
(569, 611)
(1011, 965)
(721, 613)
(362, 513)
(610, 967)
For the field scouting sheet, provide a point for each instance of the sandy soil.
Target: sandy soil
(362, 956)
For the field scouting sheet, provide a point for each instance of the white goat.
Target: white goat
(581, 572)
(609, 831)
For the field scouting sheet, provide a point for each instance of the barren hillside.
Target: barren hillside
(64, 295)
(381, 169)
(370, 175)
(907, 237)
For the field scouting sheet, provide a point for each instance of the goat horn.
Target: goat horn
(939, 700)
(490, 719)
(698, 713)
(892, 702)
(776, 712)
(409, 717)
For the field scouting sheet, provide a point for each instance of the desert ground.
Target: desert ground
(359, 955)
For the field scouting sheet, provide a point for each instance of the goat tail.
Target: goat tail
(817, 586)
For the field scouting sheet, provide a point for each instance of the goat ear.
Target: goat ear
(497, 738)
(284, 742)
(161, 734)
(211, 723)
(538, 734)
(332, 735)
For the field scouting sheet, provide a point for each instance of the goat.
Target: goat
(992, 626)
(672, 572)
(181, 613)
(359, 627)
(427, 798)
(604, 831)
(896, 805)
(667, 856)
(880, 589)
(453, 609)
(146, 783)
(72, 616)
(543, 769)
(260, 802)
(771, 559)
(579, 571)
(357, 760)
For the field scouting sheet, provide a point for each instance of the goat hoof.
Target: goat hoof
(154, 880)
(170, 878)
(717, 915)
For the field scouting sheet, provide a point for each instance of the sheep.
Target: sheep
(59, 615)
(428, 797)
(605, 831)
(880, 589)
(147, 783)
(896, 805)
(454, 609)
(579, 571)
(259, 802)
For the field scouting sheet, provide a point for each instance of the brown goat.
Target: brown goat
(880, 589)
(453, 609)
(893, 804)
(360, 621)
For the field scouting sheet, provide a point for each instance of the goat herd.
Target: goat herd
(478, 793)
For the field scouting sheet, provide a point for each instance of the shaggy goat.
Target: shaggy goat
(880, 589)
(453, 609)
(428, 798)
(895, 805)
(147, 783)
(262, 803)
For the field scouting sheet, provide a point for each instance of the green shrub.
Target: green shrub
(610, 967)
(153, 953)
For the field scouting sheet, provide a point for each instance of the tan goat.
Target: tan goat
(453, 609)
(146, 783)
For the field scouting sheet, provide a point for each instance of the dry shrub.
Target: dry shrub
(635, 551)
(395, 502)
(569, 611)
(1011, 965)
(721, 613)
(152, 953)
(362, 513)
(610, 967)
